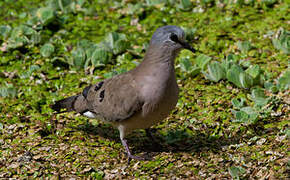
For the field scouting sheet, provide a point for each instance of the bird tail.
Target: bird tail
(74, 103)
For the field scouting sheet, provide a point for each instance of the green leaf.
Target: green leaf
(282, 41)
(116, 42)
(202, 60)
(259, 97)
(244, 46)
(100, 57)
(185, 5)
(238, 102)
(215, 72)
(236, 171)
(233, 75)
(185, 64)
(194, 71)
(19, 41)
(270, 87)
(284, 81)
(35, 38)
(47, 50)
(120, 46)
(45, 15)
(269, 2)
(78, 57)
(5, 31)
(154, 2)
(230, 60)
(8, 91)
(246, 81)
(241, 117)
(189, 33)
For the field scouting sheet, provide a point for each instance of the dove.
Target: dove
(139, 98)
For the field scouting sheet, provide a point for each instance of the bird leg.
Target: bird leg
(130, 156)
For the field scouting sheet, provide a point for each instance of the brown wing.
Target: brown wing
(114, 99)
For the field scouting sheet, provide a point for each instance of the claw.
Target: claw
(130, 156)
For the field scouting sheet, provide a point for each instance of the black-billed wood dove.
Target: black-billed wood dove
(138, 98)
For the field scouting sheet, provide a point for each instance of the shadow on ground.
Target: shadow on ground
(178, 140)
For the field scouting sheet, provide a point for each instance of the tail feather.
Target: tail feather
(70, 104)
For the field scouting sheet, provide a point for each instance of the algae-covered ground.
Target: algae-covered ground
(223, 127)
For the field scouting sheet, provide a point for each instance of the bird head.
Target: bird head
(172, 37)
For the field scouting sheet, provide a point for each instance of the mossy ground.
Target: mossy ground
(198, 140)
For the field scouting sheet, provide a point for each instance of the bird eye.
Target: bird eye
(173, 37)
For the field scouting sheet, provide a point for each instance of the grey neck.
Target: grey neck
(159, 55)
(158, 62)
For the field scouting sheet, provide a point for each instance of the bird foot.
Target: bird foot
(130, 156)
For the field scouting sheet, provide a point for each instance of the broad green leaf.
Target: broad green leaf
(282, 42)
(245, 64)
(27, 30)
(8, 91)
(185, 5)
(284, 81)
(241, 117)
(246, 115)
(246, 81)
(232, 58)
(111, 38)
(269, 2)
(5, 31)
(100, 57)
(259, 97)
(17, 42)
(215, 71)
(244, 46)
(238, 102)
(47, 50)
(185, 64)
(120, 46)
(35, 38)
(233, 75)
(45, 15)
(194, 71)
(235, 171)
(270, 87)
(154, 2)
(78, 57)
(189, 33)
(202, 60)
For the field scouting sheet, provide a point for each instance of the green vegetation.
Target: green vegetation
(232, 117)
